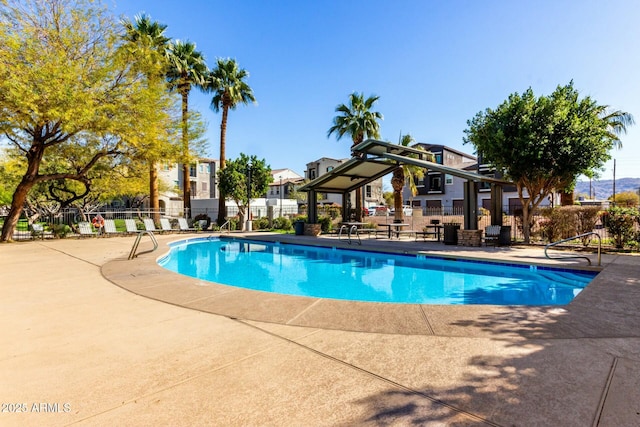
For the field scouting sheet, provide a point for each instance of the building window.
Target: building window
(192, 171)
(435, 183)
(165, 166)
(312, 174)
(368, 191)
(448, 179)
(204, 186)
(201, 168)
(439, 158)
(329, 168)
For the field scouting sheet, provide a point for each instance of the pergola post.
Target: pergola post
(496, 204)
(312, 210)
(470, 205)
(345, 206)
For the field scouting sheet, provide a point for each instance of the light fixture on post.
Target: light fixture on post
(281, 191)
(249, 226)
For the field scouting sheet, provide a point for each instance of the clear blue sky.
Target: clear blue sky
(434, 65)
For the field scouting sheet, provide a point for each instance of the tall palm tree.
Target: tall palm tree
(617, 122)
(229, 89)
(147, 42)
(357, 121)
(404, 174)
(187, 69)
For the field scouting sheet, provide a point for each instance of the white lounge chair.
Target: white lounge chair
(131, 226)
(85, 229)
(110, 228)
(149, 225)
(184, 225)
(37, 230)
(165, 225)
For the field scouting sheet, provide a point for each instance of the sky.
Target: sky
(434, 65)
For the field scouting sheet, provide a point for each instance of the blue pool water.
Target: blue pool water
(370, 276)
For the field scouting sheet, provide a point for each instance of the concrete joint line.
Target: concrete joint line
(426, 320)
(605, 392)
(303, 311)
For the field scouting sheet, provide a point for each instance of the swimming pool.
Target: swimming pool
(370, 276)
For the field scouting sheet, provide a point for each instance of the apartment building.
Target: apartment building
(202, 179)
(373, 190)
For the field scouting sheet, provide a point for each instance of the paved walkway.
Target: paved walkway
(78, 350)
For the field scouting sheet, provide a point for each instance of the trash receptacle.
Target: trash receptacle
(299, 228)
(451, 234)
(504, 239)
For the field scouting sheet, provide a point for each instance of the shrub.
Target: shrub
(202, 217)
(60, 230)
(568, 221)
(261, 224)
(620, 223)
(282, 223)
(325, 224)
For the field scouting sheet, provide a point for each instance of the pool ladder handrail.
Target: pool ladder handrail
(226, 224)
(350, 230)
(133, 253)
(576, 256)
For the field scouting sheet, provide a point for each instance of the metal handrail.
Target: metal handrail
(133, 254)
(228, 225)
(350, 230)
(576, 256)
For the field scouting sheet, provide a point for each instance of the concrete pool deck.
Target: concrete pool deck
(86, 352)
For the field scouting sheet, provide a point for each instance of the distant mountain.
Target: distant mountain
(603, 189)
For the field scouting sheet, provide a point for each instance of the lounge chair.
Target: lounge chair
(492, 234)
(37, 230)
(165, 225)
(85, 229)
(149, 225)
(110, 228)
(131, 226)
(184, 225)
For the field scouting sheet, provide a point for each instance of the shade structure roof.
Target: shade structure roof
(374, 159)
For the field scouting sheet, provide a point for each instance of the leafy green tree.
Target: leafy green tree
(187, 69)
(234, 178)
(626, 198)
(68, 94)
(357, 121)
(229, 88)
(542, 143)
(148, 45)
(403, 175)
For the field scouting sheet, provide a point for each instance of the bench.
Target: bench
(425, 234)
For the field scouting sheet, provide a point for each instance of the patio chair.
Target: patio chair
(184, 225)
(37, 230)
(149, 225)
(492, 234)
(131, 226)
(165, 225)
(110, 228)
(85, 229)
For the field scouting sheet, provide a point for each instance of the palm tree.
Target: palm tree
(359, 122)
(146, 41)
(229, 89)
(186, 69)
(617, 122)
(404, 174)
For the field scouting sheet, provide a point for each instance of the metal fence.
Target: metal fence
(425, 217)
